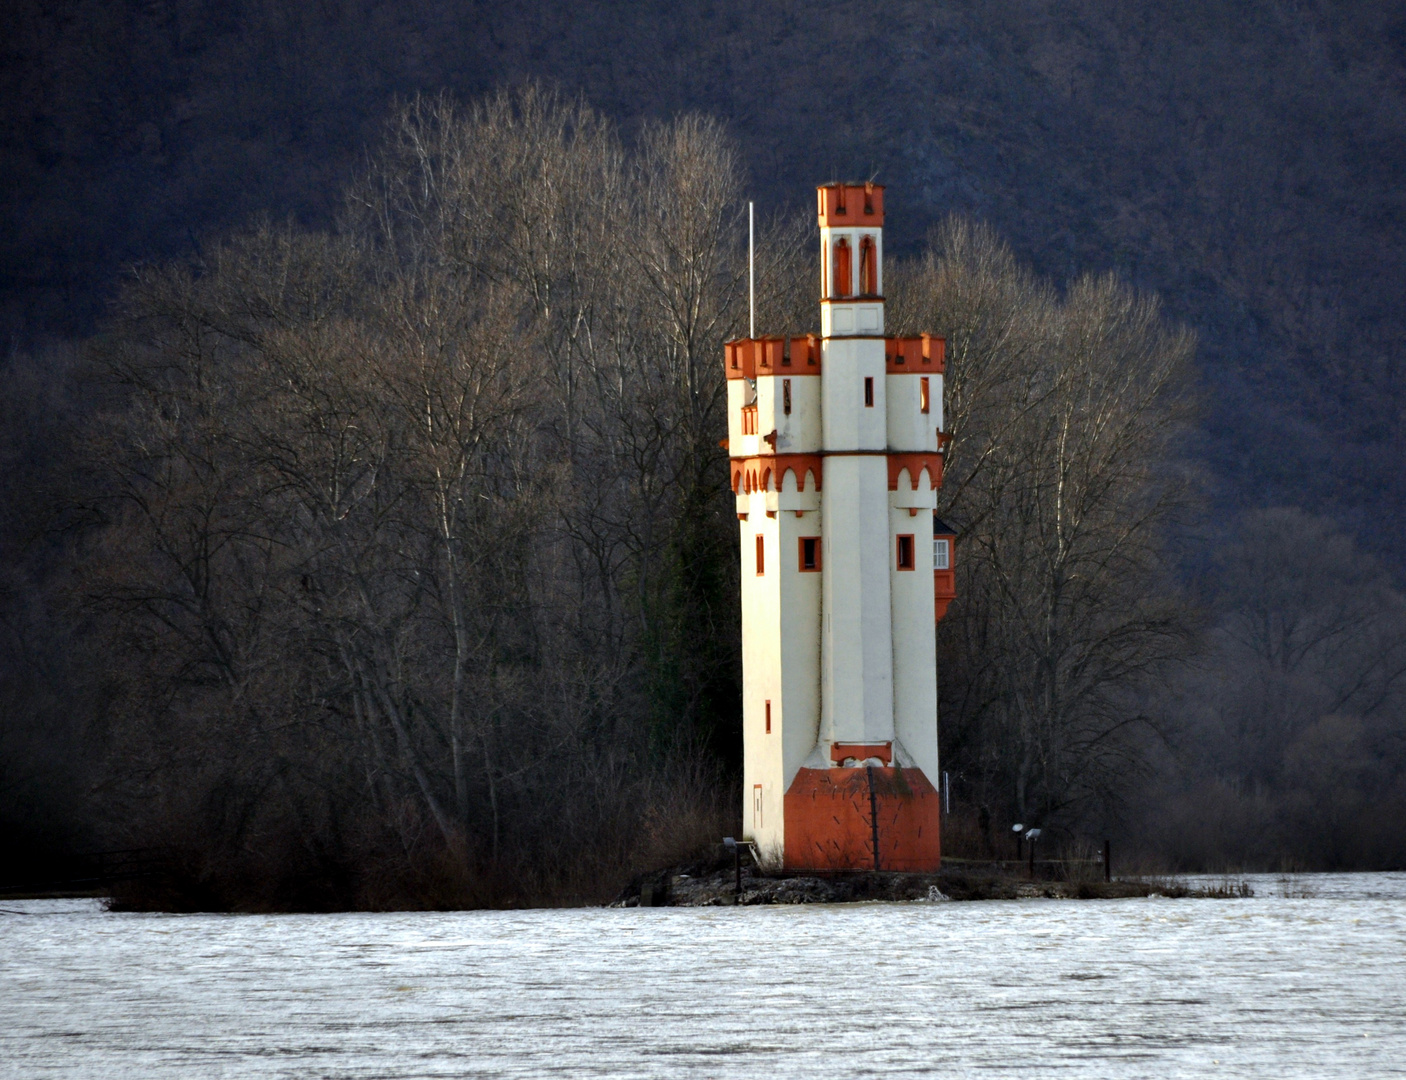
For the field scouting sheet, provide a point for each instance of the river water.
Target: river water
(1307, 979)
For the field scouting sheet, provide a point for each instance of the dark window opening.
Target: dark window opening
(810, 553)
(868, 392)
(905, 552)
(786, 397)
(768, 718)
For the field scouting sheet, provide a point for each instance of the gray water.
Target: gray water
(1307, 979)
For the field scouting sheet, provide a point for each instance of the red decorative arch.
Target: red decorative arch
(768, 472)
(841, 276)
(868, 267)
(915, 464)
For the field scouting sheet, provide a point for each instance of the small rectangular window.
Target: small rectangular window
(810, 554)
(905, 552)
(768, 717)
(939, 554)
(756, 807)
(868, 392)
(786, 396)
(923, 393)
(761, 556)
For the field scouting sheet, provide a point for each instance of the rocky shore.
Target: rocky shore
(714, 885)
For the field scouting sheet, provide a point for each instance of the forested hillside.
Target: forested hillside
(1243, 159)
(244, 599)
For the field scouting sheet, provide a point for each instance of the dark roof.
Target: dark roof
(939, 526)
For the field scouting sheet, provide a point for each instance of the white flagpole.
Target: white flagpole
(752, 266)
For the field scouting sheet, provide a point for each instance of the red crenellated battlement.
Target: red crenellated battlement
(915, 355)
(748, 358)
(858, 205)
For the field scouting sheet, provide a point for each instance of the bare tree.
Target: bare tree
(1062, 478)
(418, 531)
(1288, 730)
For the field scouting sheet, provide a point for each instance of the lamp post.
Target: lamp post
(731, 845)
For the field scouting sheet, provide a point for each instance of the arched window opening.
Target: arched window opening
(868, 267)
(840, 278)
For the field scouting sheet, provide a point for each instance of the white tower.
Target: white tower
(836, 460)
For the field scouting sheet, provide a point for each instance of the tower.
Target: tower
(836, 450)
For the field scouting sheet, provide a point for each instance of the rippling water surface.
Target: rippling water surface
(1310, 984)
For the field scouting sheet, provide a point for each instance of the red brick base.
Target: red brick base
(831, 816)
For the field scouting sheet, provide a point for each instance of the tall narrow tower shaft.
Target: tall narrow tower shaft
(836, 460)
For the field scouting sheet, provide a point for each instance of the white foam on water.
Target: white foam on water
(1307, 979)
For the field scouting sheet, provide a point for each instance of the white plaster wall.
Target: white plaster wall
(914, 630)
(800, 647)
(742, 392)
(847, 423)
(768, 405)
(762, 675)
(800, 432)
(911, 430)
(908, 497)
(736, 397)
(793, 499)
(851, 319)
(857, 652)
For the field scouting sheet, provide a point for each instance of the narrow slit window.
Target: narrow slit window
(768, 717)
(868, 392)
(923, 401)
(905, 552)
(842, 275)
(786, 396)
(810, 554)
(761, 556)
(868, 267)
(940, 555)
